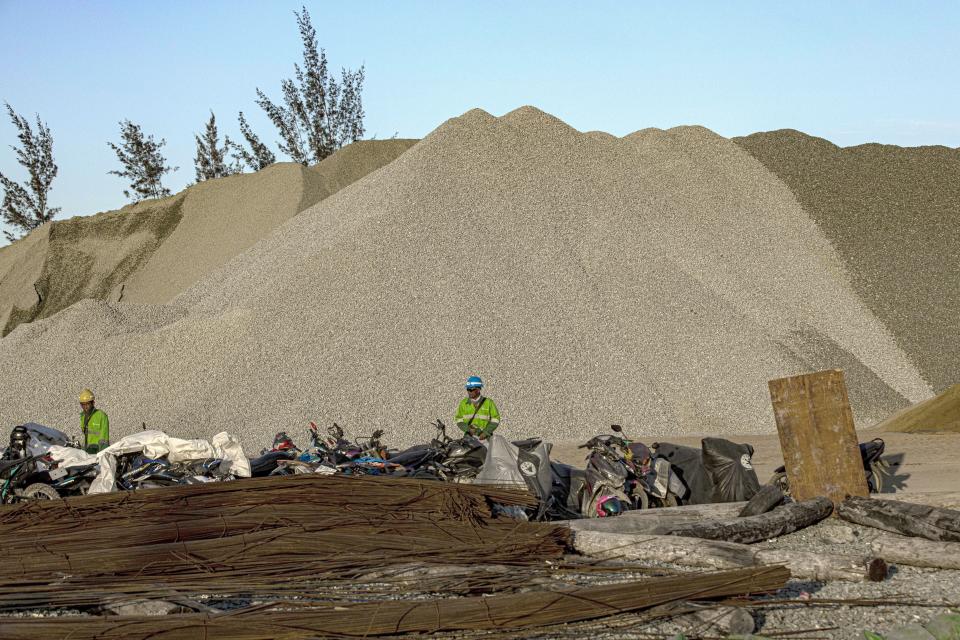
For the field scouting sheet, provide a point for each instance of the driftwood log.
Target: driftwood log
(769, 496)
(718, 554)
(946, 499)
(915, 552)
(780, 521)
(657, 520)
(905, 518)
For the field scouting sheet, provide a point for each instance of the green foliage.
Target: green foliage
(259, 155)
(143, 164)
(870, 635)
(211, 159)
(25, 206)
(319, 114)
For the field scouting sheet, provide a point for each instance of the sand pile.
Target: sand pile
(223, 218)
(657, 280)
(938, 414)
(69, 260)
(151, 251)
(892, 213)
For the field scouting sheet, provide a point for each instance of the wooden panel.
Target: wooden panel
(817, 436)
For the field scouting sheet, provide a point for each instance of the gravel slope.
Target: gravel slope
(892, 213)
(657, 280)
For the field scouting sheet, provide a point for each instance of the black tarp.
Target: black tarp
(730, 467)
(687, 463)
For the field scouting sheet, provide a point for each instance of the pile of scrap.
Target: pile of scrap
(823, 466)
(341, 550)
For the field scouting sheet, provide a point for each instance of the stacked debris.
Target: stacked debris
(329, 545)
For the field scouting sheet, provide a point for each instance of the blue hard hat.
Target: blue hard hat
(474, 382)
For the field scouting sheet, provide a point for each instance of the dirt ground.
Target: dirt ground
(925, 466)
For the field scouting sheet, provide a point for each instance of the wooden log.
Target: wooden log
(657, 520)
(945, 499)
(905, 518)
(690, 512)
(776, 523)
(817, 436)
(916, 552)
(717, 554)
(769, 497)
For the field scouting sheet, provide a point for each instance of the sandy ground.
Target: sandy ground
(925, 466)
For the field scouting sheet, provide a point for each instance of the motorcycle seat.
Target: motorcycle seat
(529, 443)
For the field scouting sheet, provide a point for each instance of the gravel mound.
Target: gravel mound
(153, 250)
(223, 218)
(936, 415)
(657, 280)
(21, 264)
(892, 214)
(82, 257)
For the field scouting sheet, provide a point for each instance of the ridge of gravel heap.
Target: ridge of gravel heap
(153, 250)
(892, 213)
(656, 280)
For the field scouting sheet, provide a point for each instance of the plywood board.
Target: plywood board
(817, 436)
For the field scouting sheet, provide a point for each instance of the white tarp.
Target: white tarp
(71, 456)
(42, 438)
(502, 465)
(157, 444)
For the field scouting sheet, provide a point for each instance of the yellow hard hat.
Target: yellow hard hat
(86, 395)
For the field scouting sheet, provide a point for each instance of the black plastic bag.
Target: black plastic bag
(687, 463)
(730, 468)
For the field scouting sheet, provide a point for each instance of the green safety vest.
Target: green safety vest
(486, 418)
(95, 430)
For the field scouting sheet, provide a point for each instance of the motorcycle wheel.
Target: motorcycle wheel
(39, 491)
(643, 500)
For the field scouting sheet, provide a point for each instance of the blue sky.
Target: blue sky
(851, 72)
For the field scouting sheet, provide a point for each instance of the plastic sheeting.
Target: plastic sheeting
(508, 464)
(157, 444)
(687, 464)
(71, 456)
(42, 438)
(502, 464)
(730, 466)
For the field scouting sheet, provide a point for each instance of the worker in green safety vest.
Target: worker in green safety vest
(93, 424)
(477, 415)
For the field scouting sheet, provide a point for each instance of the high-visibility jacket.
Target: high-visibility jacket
(485, 416)
(95, 430)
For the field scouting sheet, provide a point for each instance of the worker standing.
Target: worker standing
(93, 424)
(477, 415)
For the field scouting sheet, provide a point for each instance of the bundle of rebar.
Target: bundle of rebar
(283, 535)
(502, 612)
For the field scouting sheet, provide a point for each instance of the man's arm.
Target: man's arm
(461, 419)
(494, 421)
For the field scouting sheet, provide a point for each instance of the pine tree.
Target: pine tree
(211, 159)
(319, 114)
(143, 164)
(259, 155)
(25, 207)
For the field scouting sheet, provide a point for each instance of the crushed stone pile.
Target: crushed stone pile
(657, 280)
(940, 414)
(892, 213)
(225, 217)
(69, 260)
(153, 250)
